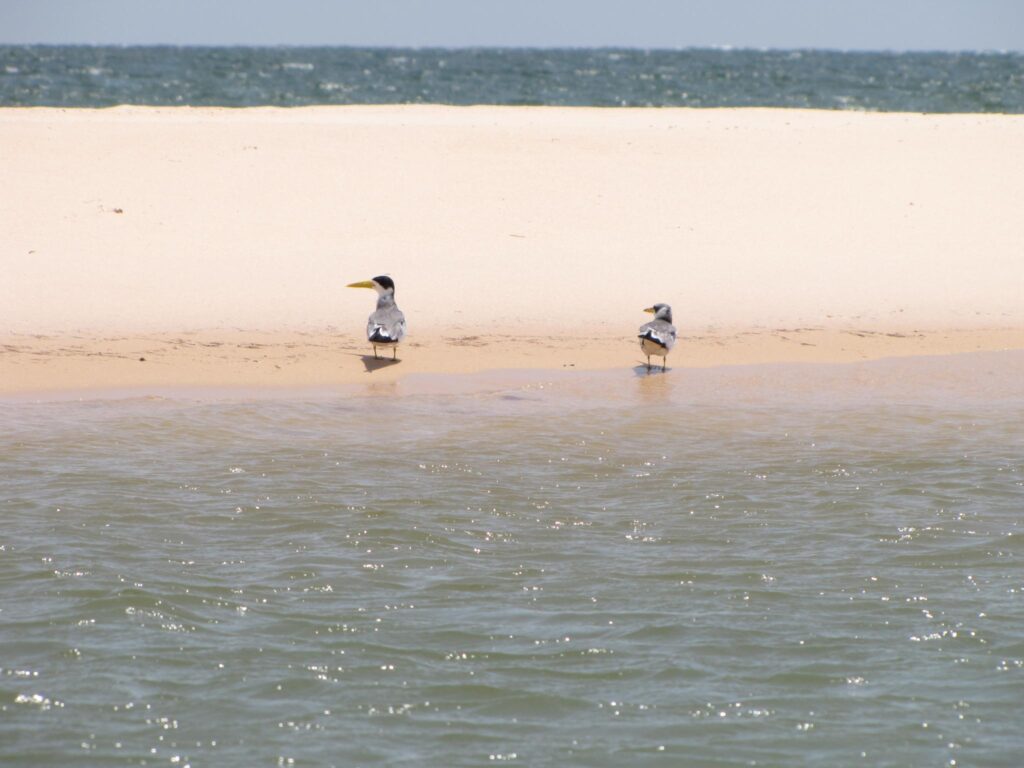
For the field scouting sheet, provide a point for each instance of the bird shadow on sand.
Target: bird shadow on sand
(376, 363)
(655, 370)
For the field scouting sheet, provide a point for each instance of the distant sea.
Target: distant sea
(86, 76)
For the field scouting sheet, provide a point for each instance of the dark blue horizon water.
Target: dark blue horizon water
(102, 76)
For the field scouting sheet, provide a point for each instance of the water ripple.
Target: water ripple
(532, 582)
(96, 76)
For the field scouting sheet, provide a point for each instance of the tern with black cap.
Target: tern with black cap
(386, 326)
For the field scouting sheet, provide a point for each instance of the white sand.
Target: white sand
(509, 222)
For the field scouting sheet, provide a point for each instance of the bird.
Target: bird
(658, 336)
(386, 326)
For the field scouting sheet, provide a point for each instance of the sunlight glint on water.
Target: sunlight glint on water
(99, 76)
(510, 577)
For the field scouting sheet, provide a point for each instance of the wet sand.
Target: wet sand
(286, 363)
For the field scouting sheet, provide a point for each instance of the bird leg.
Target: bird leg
(394, 352)
(664, 362)
(648, 362)
(375, 352)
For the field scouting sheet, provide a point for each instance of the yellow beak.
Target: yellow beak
(364, 284)
(652, 310)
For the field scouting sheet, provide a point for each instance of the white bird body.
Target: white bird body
(387, 323)
(658, 336)
(651, 347)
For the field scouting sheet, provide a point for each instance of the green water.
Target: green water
(595, 570)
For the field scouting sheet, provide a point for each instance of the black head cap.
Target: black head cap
(385, 282)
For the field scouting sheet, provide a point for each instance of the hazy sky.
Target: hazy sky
(842, 24)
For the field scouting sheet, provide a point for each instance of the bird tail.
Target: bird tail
(380, 336)
(651, 336)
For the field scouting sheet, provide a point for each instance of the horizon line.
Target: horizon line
(724, 48)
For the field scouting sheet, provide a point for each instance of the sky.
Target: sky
(836, 24)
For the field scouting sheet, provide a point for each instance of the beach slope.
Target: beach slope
(167, 246)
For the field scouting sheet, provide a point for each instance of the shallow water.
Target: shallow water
(594, 569)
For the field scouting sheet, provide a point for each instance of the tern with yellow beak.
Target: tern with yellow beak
(386, 326)
(658, 336)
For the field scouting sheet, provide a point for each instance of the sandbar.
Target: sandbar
(148, 247)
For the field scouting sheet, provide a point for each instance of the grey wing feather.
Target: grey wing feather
(660, 332)
(386, 326)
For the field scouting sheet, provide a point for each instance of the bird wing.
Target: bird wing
(660, 332)
(386, 326)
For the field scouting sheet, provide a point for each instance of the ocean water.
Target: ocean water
(83, 76)
(750, 566)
